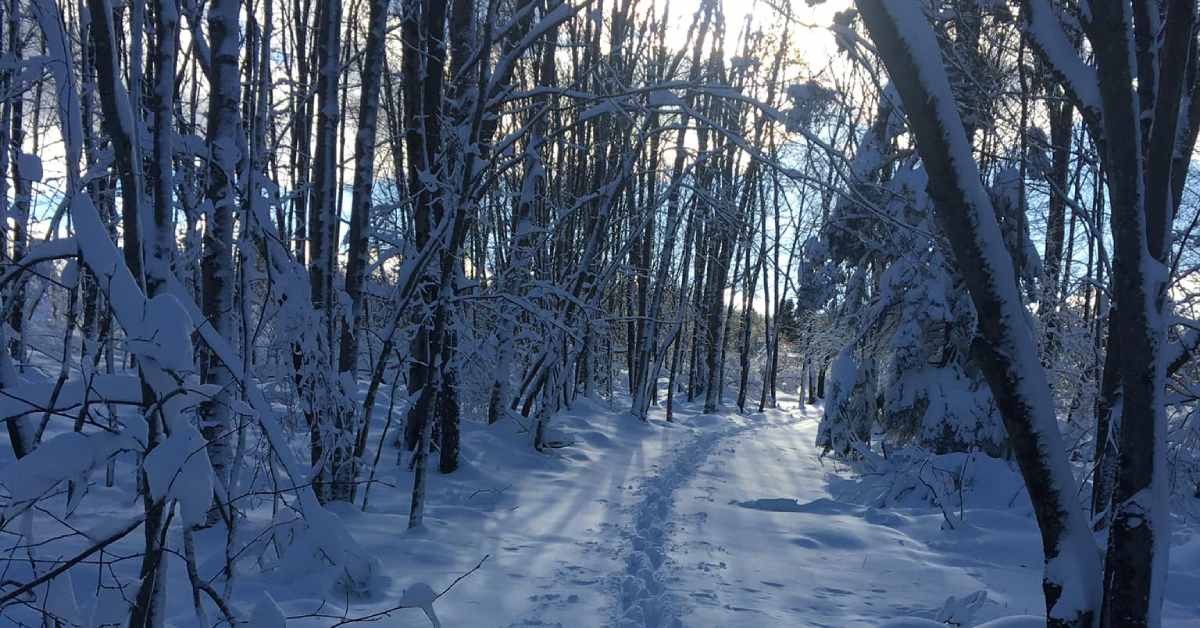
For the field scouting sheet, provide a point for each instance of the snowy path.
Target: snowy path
(643, 598)
(745, 525)
(712, 521)
(759, 538)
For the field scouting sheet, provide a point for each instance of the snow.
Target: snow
(50, 19)
(179, 467)
(60, 599)
(66, 456)
(1016, 621)
(644, 599)
(603, 108)
(35, 396)
(421, 595)
(717, 520)
(1045, 29)
(664, 98)
(767, 533)
(823, 552)
(714, 520)
(267, 614)
(30, 166)
(165, 334)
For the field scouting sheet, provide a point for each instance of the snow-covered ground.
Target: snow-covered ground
(711, 521)
(721, 521)
(714, 520)
(772, 535)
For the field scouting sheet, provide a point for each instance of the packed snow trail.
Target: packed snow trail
(644, 600)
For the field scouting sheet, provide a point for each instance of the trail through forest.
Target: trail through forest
(710, 521)
(320, 313)
(645, 596)
(745, 524)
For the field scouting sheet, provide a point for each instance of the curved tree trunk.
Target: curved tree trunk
(1005, 349)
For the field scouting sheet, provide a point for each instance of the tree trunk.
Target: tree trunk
(1005, 349)
(360, 204)
(1142, 209)
(217, 253)
(332, 416)
(1060, 149)
(20, 431)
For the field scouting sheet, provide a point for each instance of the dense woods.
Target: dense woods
(258, 255)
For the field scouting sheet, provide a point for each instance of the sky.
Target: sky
(809, 30)
(809, 33)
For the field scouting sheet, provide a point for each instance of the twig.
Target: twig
(342, 620)
(57, 571)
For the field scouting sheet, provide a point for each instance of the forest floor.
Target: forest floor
(730, 520)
